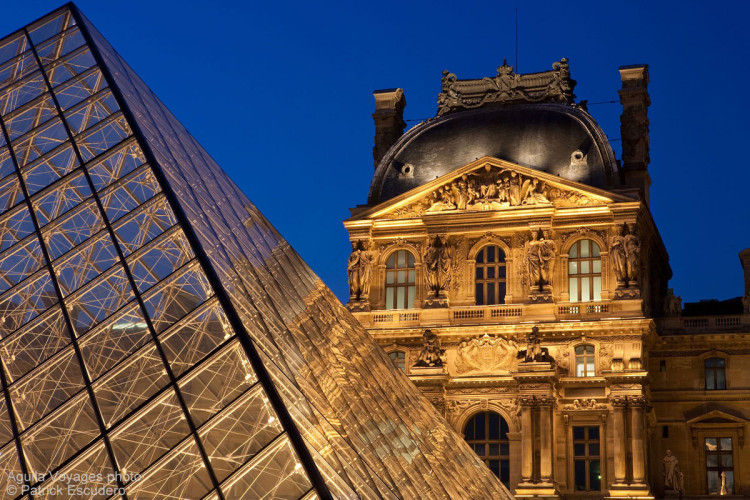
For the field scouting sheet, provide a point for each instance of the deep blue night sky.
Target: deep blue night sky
(280, 94)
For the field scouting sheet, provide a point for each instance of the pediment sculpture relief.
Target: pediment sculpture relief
(485, 354)
(492, 188)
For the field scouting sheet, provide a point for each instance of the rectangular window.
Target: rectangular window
(587, 458)
(719, 466)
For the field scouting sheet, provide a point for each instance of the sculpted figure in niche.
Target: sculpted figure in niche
(533, 261)
(431, 354)
(633, 253)
(669, 463)
(618, 256)
(540, 255)
(437, 262)
(359, 269)
(547, 252)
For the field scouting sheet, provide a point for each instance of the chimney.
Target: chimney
(745, 261)
(389, 120)
(634, 127)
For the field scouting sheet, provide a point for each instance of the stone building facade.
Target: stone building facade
(510, 265)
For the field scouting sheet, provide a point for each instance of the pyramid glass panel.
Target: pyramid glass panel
(156, 333)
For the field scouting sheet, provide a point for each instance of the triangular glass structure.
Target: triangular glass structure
(158, 338)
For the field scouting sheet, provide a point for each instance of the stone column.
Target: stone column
(620, 454)
(527, 443)
(545, 441)
(638, 440)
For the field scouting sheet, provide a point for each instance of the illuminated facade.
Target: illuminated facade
(511, 267)
(158, 337)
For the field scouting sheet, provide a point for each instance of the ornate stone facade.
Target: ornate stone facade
(544, 300)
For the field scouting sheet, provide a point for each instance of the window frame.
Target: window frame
(498, 283)
(396, 360)
(714, 386)
(583, 358)
(503, 443)
(587, 458)
(409, 286)
(578, 276)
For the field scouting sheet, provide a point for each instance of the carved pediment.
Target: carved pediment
(490, 184)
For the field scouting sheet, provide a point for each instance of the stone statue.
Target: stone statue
(533, 261)
(746, 303)
(672, 304)
(540, 258)
(633, 253)
(531, 193)
(723, 490)
(618, 256)
(431, 354)
(669, 462)
(437, 265)
(534, 352)
(548, 251)
(359, 269)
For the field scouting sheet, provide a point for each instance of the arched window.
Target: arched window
(585, 361)
(400, 280)
(715, 375)
(585, 271)
(490, 276)
(487, 434)
(399, 359)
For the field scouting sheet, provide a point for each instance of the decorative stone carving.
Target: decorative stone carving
(605, 357)
(671, 473)
(534, 352)
(486, 354)
(584, 404)
(401, 242)
(672, 304)
(583, 231)
(619, 257)
(538, 263)
(359, 269)
(461, 248)
(506, 86)
(492, 188)
(488, 188)
(431, 355)
(438, 260)
(633, 253)
(625, 252)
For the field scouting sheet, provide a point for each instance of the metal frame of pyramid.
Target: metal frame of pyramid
(158, 338)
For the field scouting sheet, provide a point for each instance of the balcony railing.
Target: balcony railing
(495, 314)
(705, 324)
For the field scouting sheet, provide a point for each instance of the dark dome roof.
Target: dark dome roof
(539, 136)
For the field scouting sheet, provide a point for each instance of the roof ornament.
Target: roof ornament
(507, 87)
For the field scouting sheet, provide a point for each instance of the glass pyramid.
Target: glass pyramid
(158, 338)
